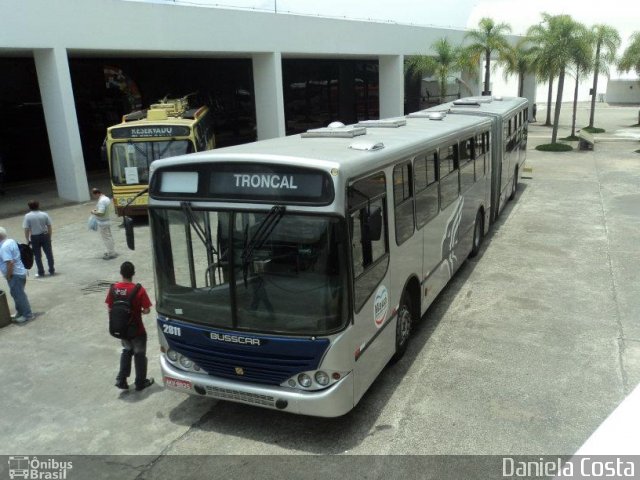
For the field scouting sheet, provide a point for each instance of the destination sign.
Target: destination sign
(150, 131)
(245, 182)
(267, 184)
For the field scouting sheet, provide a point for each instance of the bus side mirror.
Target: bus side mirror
(128, 232)
(374, 225)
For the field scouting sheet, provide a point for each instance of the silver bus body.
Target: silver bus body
(433, 179)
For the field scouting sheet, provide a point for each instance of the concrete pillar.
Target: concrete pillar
(529, 87)
(54, 78)
(267, 81)
(391, 73)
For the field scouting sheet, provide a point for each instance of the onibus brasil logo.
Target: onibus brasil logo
(38, 469)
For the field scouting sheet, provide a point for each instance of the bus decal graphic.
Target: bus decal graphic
(451, 236)
(380, 306)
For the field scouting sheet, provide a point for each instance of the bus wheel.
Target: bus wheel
(514, 185)
(478, 234)
(403, 326)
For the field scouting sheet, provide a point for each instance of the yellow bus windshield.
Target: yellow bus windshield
(130, 161)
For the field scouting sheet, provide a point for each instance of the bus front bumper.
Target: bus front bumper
(330, 402)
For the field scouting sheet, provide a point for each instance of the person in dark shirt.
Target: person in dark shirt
(135, 347)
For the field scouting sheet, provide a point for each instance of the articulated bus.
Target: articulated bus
(167, 129)
(290, 271)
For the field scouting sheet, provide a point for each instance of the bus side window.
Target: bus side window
(486, 138)
(449, 178)
(426, 181)
(403, 199)
(370, 255)
(467, 164)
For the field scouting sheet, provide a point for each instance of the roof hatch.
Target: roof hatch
(431, 115)
(384, 123)
(336, 130)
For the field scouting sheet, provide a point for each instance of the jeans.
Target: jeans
(135, 348)
(39, 243)
(16, 288)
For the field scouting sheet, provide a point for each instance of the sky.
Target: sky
(520, 14)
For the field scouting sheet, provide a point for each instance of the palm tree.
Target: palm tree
(561, 42)
(489, 37)
(447, 60)
(583, 63)
(543, 59)
(631, 57)
(607, 41)
(518, 60)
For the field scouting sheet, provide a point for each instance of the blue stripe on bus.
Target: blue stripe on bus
(271, 362)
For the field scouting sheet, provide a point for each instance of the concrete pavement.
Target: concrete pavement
(527, 351)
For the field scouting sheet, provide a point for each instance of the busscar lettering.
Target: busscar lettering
(265, 181)
(234, 339)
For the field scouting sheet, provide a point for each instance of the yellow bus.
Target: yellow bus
(166, 129)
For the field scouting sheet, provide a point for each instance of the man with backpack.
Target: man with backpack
(127, 302)
(38, 231)
(15, 272)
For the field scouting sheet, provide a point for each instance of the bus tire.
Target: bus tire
(514, 185)
(404, 323)
(478, 234)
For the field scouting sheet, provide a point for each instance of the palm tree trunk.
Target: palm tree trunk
(575, 106)
(596, 69)
(487, 71)
(520, 84)
(556, 115)
(547, 123)
(443, 88)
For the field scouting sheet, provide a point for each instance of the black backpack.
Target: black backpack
(121, 324)
(26, 255)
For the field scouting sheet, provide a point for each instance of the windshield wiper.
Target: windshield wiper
(200, 231)
(259, 237)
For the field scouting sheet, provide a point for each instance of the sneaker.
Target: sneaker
(22, 319)
(52, 273)
(122, 384)
(147, 383)
(38, 275)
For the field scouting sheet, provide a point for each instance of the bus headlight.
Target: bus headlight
(172, 355)
(322, 378)
(304, 380)
(314, 380)
(185, 362)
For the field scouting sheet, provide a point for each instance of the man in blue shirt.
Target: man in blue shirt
(13, 270)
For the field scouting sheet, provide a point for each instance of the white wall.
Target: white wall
(623, 91)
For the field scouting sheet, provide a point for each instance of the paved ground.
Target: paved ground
(527, 351)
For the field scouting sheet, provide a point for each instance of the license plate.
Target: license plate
(175, 383)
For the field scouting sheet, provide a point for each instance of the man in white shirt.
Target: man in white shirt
(38, 231)
(102, 212)
(13, 270)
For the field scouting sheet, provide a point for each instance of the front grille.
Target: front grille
(255, 368)
(236, 396)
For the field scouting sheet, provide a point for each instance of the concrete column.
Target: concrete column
(54, 78)
(391, 72)
(267, 81)
(529, 86)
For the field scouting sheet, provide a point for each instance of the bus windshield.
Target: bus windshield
(271, 272)
(130, 161)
